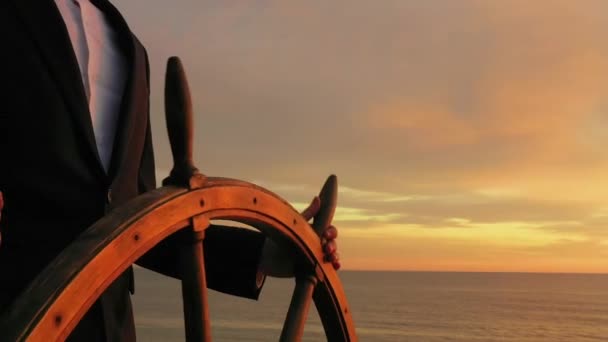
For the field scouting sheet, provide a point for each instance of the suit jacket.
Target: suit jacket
(53, 181)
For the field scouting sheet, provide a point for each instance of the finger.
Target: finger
(312, 209)
(330, 247)
(336, 264)
(331, 233)
(332, 257)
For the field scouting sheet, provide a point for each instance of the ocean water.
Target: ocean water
(401, 306)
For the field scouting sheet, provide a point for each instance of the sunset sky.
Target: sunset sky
(466, 135)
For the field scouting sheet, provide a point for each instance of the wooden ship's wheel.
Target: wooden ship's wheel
(60, 296)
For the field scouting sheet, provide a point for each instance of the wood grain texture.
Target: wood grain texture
(53, 304)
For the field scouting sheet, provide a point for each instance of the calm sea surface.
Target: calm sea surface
(402, 306)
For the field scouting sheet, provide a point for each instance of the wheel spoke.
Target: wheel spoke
(194, 284)
(293, 327)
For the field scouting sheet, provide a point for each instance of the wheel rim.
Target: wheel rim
(56, 301)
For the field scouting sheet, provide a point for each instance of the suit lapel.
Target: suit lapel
(133, 110)
(47, 29)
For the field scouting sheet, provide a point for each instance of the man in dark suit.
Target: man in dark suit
(59, 172)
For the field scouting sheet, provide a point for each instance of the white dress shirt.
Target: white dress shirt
(102, 67)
